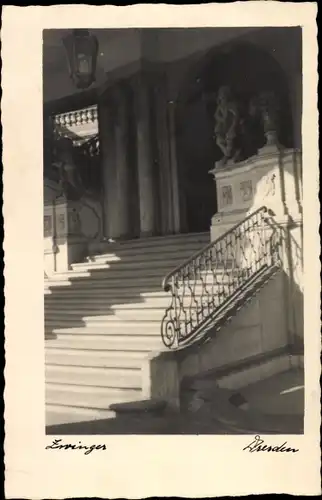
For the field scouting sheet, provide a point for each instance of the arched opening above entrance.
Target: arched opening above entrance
(248, 70)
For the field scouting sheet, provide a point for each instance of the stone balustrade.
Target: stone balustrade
(82, 123)
(79, 117)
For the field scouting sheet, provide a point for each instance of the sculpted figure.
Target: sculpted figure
(265, 106)
(69, 177)
(227, 122)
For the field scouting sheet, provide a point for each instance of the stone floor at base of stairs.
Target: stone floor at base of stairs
(282, 393)
(272, 406)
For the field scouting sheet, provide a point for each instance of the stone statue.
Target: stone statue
(241, 126)
(69, 177)
(265, 106)
(227, 125)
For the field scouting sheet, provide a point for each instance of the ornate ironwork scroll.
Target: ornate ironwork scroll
(204, 284)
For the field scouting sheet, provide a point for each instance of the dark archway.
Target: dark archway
(247, 69)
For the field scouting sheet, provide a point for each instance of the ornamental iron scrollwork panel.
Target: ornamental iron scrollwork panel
(204, 284)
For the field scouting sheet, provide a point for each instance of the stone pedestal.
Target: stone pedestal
(50, 247)
(64, 241)
(272, 178)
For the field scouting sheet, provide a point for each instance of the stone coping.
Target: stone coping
(264, 158)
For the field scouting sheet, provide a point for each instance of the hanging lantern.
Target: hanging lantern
(82, 50)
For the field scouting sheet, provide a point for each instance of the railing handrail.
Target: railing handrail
(209, 245)
(198, 291)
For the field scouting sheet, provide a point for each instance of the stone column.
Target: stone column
(120, 215)
(178, 202)
(145, 165)
(163, 147)
(107, 152)
(114, 150)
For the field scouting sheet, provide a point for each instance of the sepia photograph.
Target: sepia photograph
(161, 224)
(173, 231)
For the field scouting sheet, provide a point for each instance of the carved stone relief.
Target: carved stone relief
(74, 222)
(227, 195)
(61, 224)
(246, 189)
(270, 187)
(48, 226)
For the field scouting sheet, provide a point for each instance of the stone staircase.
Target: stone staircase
(101, 319)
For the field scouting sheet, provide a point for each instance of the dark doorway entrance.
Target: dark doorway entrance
(247, 69)
(196, 152)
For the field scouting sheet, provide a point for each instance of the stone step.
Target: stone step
(90, 393)
(97, 293)
(68, 414)
(153, 274)
(116, 343)
(106, 293)
(81, 308)
(105, 315)
(100, 398)
(157, 241)
(91, 319)
(64, 283)
(124, 274)
(145, 287)
(118, 311)
(53, 282)
(72, 403)
(94, 376)
(83, 357)
(92, 296)
(90, 306)
(151, 253)
(141, 328)
(130, 264)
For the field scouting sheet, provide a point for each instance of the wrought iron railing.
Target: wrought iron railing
(204, 284)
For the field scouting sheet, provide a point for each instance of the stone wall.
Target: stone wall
(261, 328)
